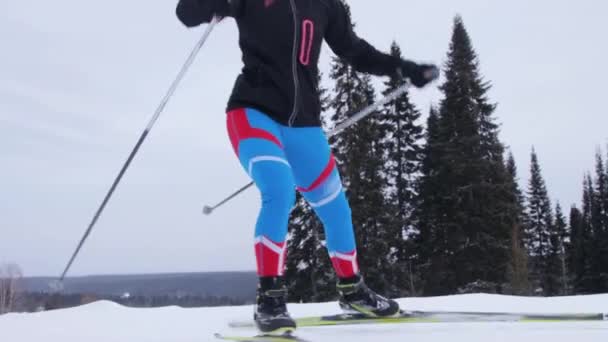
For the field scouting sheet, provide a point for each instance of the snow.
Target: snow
(110, 322)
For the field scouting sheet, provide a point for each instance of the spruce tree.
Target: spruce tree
(428, 256)
(600, 223)
(518, 267)
(466, 223)
(557, 274)
(309, 272)
(586, 280)
(593, 278)
(538, 228)
(514, 182)
(596, 224)
(299, 253)
(577, 255)
(604, 238)
(598, 215)
(402, 151)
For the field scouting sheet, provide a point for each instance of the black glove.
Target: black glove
(419, 74)
(195, 12)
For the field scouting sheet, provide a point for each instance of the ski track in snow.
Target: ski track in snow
(110, 322)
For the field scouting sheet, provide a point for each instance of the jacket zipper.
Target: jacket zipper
(294, 65)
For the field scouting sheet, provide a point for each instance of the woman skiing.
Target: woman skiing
(274, 124)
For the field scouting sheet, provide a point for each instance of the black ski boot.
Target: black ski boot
(356, 297)
(271, 316)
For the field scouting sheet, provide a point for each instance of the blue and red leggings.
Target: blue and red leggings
(281, 159)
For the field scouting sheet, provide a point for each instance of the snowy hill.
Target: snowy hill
(109, 322)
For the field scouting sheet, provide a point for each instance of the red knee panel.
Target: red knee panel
(331, 165)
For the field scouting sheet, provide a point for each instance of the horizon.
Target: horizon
(137, 274)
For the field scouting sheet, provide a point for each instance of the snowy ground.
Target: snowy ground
(109, 322)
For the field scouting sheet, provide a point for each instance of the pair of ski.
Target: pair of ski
(413, 317)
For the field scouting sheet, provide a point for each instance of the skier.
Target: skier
(273, 121)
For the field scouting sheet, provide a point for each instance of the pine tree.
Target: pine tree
(518, 268)
(538, 227)
(358, 153)
(402, 151)
(465, 214)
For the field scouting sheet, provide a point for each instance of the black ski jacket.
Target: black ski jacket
(281, 42)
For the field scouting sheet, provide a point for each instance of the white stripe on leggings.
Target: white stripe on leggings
(258, 159)
(327, 199)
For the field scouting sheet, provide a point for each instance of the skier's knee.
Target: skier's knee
(279, 196)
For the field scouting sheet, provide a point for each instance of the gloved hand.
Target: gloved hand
(195, 12)
(419, 74)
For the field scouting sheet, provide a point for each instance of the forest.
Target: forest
(438, 207)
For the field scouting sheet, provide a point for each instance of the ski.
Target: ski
(437, 317)
(261, 338)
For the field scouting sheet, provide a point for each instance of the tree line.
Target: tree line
(44, 301)
(15, 298)
(438, 208)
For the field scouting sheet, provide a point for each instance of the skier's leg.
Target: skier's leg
(257, 141)
(318, 180)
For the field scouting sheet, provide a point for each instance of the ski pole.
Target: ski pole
(208, 210)
(143, 136)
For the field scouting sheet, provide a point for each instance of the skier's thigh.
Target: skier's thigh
(312, 163)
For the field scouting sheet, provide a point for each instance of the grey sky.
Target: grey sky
(80, 79)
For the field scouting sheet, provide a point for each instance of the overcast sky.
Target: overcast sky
(79, 81)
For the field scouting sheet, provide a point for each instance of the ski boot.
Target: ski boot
(271, 316)
(356, 297)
